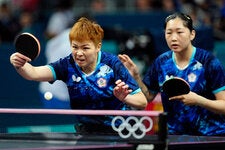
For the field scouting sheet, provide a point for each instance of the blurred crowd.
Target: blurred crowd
(52, 17)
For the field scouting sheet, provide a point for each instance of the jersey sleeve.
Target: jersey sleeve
(216, 75)
(151, 77)
(59, 69)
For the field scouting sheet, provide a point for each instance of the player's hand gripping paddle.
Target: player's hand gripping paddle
(28, 45)
(176, 86)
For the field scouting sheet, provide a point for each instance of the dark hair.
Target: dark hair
(186, 19)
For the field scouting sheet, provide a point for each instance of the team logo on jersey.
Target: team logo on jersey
(104, 70)
(101, 82)
(76, 79)
(197, 66)
(169, 77)
(192, 77)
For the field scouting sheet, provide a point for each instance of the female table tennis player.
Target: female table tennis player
(95, 79)
(201, 111)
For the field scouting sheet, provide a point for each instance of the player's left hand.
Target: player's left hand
(129, 64)
(121, 90)
(188, 99)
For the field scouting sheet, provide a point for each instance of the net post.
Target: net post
(162, 128)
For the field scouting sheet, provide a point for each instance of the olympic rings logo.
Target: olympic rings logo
(137, 129)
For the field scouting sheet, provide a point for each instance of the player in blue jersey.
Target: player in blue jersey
(95, 79)
(201, 111)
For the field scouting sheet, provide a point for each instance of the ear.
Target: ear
(193, 33)
(99, 46)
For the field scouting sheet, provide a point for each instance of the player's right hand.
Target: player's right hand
(18, 60)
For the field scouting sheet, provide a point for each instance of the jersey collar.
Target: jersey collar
(192, 57)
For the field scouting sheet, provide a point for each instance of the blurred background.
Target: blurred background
(134, 27)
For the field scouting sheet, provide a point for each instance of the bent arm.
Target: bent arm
(133, 70)
(150, 96)
(137, 100)
(123, 93)
(216, 106)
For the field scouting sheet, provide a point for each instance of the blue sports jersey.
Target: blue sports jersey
(94, 91)
(206, 77)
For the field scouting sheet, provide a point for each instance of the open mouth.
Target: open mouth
(174, 46)
(80, 61)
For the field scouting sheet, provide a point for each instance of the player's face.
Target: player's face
(178, 37)
(85, 54)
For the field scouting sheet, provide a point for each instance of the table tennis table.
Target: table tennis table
(71, 140)
(46, 141)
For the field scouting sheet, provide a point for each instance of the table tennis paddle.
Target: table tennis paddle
(176, 86)
(28, 45)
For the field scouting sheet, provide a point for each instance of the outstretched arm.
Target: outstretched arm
(133, 70)
(29, 72)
